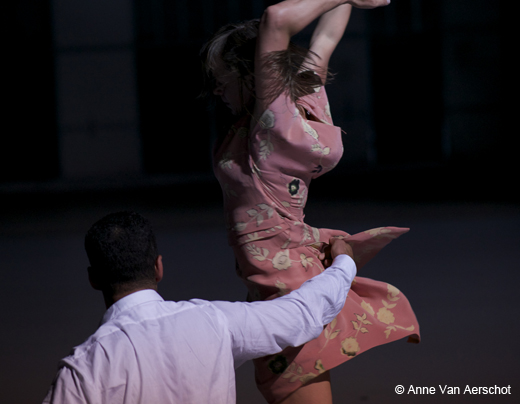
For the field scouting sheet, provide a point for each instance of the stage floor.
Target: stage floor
(459, 267)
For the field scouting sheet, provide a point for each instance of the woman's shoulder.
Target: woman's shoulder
(283, 110)
(279, 111)
(294, 121)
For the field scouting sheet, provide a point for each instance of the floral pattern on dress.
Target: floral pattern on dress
(257, 214)
(306, 261)
(266, 147)
(259, 254)
(309, 129)
(267, 120)
(265, 175)
(385, 315)
(282, 287)
(226, 162)
(368, 308)
(282, 260)
(296, 373)
(350, 346)
(294, 186)
(330, 332)
(327, 110)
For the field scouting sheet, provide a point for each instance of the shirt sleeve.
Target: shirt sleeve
(263, 328)
(65, 389)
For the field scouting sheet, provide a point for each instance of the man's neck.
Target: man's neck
(111, 298)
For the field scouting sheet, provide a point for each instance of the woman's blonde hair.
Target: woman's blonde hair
(233, 45)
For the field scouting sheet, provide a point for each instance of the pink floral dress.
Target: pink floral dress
(265, 170)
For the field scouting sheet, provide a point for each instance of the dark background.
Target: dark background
(421, 91)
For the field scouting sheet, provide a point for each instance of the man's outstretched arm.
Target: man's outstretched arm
(264, 328)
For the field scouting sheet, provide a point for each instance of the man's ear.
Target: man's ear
(158, 268)
(93, 279)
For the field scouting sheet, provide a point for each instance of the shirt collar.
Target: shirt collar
(132, 300)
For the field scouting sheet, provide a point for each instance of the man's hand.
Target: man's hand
(336, 247)
(368, 3)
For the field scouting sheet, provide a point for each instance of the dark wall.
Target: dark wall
(29, 147)
(407, 82)
(434, 106)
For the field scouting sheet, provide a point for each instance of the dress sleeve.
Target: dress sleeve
(297, 139)
(263, 328)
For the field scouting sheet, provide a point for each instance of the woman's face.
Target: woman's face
(230, 89)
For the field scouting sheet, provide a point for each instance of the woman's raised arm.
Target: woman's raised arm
(327, 35)
(285, 19)
(277, 25)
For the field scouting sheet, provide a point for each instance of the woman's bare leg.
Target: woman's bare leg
(317, 391)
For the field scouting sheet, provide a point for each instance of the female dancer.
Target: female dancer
(283, 139)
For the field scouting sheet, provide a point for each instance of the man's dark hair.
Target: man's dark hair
(122, 250)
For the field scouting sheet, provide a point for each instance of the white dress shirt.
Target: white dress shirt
(151, 351)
